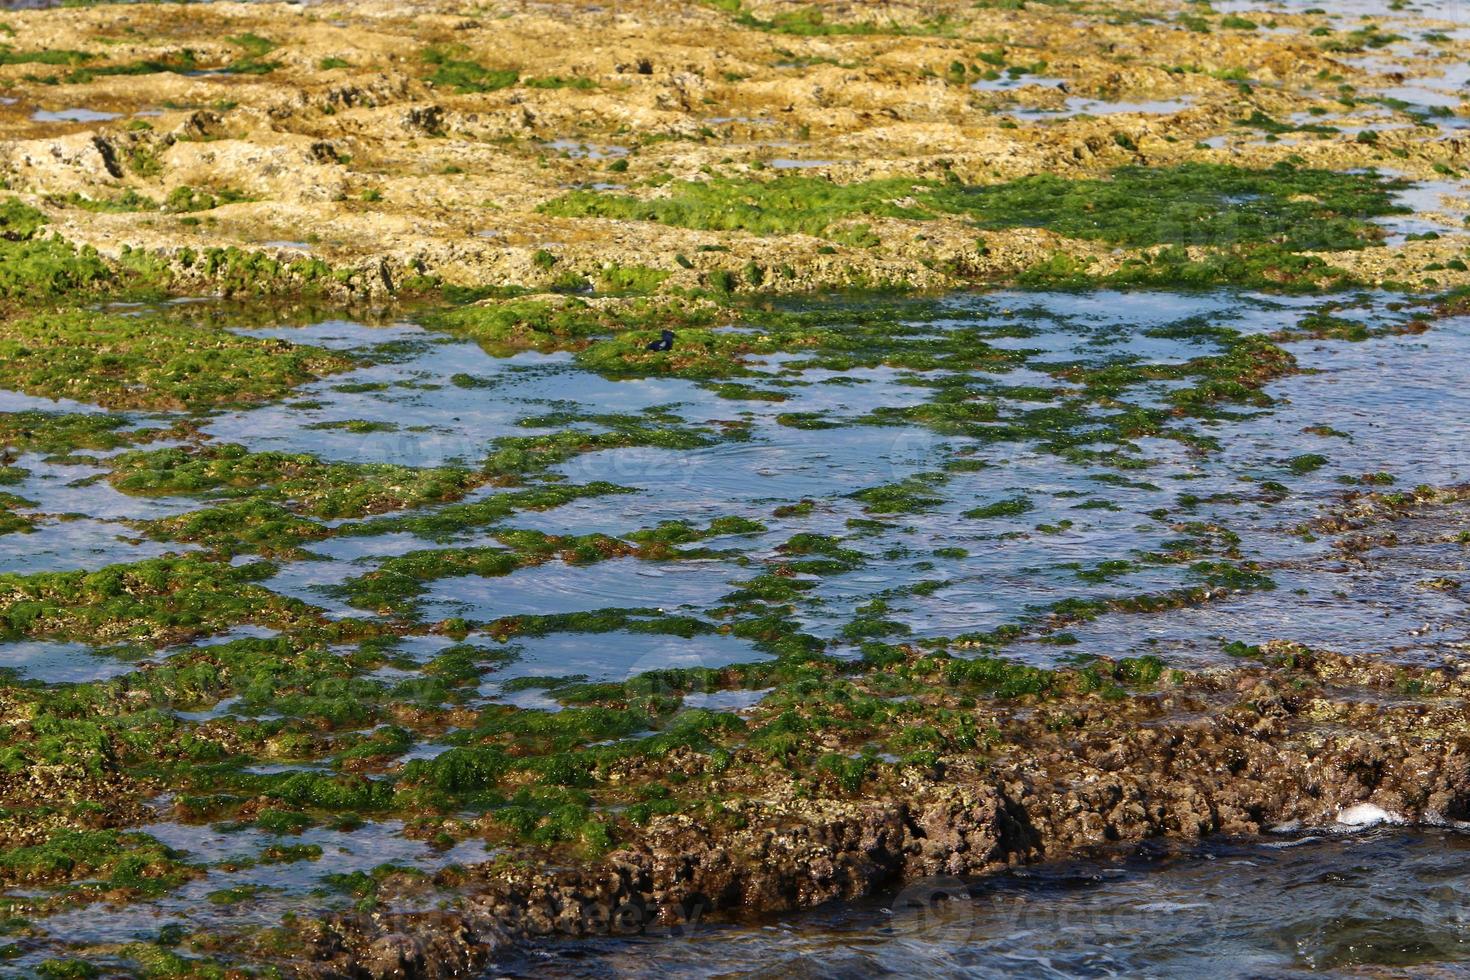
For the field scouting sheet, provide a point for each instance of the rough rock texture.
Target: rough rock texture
(1238, 753)
(349, 146)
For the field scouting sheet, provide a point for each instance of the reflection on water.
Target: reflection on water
(1007, 518)
(1376, 903)
(624, 583)
(271, 888)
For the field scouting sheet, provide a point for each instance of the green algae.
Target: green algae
(631, 278)
(1267, 266)
(253, 669)
(504, 326)
(447, 522)
(1202, 204)
(47, 56)
(464, 75)
(910, 496)
(40, 269)
(522, 456)
(810, 21)
(398, 581)
(318, 488)
(784, 205)
(19, 220)
(152, 362)
(1194, 204)
(355, 426)
(177, 62)
(239, 528)
(130, 862)
(171, 596)
(185, 199)
(56, 432)
(1009, 507)
(830, 724)
(236, 271)
(128, 201)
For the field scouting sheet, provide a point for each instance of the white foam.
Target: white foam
(1361, 815)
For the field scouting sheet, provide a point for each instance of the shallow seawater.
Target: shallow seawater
(56, 545)
(557, 588)
(1381, 902)
(618, 656)
(1391, 402)
(1078, 106)
(274, 888)
(53, 662)
(990, 526)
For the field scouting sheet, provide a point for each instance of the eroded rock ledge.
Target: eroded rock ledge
(1238, 753)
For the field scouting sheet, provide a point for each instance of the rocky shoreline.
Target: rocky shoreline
(1324, 741)
(301, 577)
